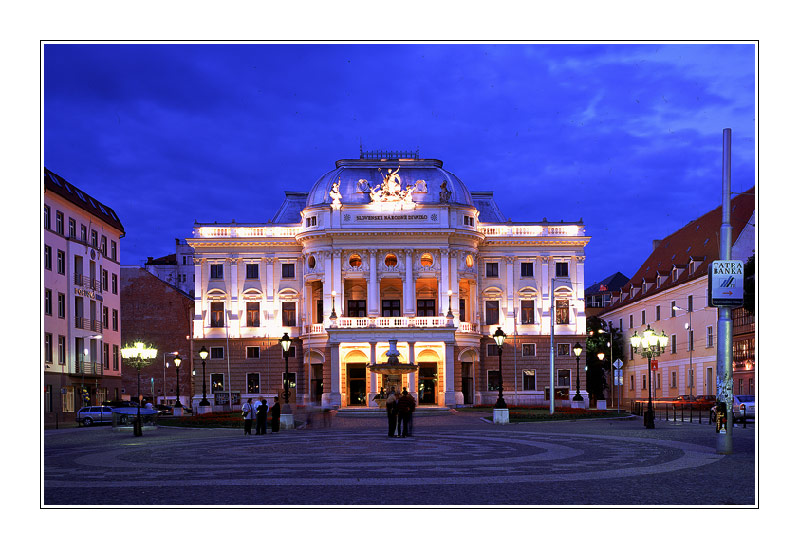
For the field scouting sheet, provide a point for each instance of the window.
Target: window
(48, 301)
(672, 309)
(106, 364)
(690, 303)
(426, 308)
(216, 271)
(311, 221)
(287, 271)
(253, 382)
(46, 217)
(528, 350)
(562, 269)
(673, 344)
(103, 245)
(564, 376)
(643, 317)
(356, 308)
(354, 261)
(657, 378)
(527, 310)
(644, 382)
(493, 380)
(291, 353)
(491, 270)
(217, 314)
(62, 305)
(390, 308)
(462, 309)
(528, 380)
(492, 312)
(469, 221)
(253, 312)
(115, 358)
(71, 228)
(48, 347)
(94, 238)
(114, 319)
(390, 260)
(83, 233)
(62, 350)
(291, 378)
(105, 317)
(562, 350)
(674, 381)
(61, 261)
(288, 313)
(114, 251)
(526, 269)
(251, 271)
(217, 382)
(630, 321)
(217, 352)
(59, 222)
(48, 258)
(492, 350)
(562, 312)
(709, 337)
(253, 352)
(426, 260)
(104, 278)
(658, 313)
(182, 258)
(113, 283)
(631, 381)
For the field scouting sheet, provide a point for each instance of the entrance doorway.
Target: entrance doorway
(316, 384)
(357, 384)
(467, 382)
(427, 384)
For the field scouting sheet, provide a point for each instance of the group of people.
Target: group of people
(258, 412)
(400, 412)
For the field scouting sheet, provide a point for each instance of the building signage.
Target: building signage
(726, 283)
(87, 293)
(362, 218)
(222, 398)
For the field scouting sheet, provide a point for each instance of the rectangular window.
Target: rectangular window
(491, 350)
(46, 217)
(630, 321)
(252, 271)
(216, 271)
(709, 337)
(526, 269)
(106, 364)
(644, 382)
(529, 350)
(72, 228)
(492, 312)
(674, 382)
(48, 347)
(114, 250)
(103, 245)
(469, 221)
(356, 308)
(48, 258)
(564, 377)
(672, 309)
(217, 382)
(658, 313)
(217, 314)
(643, 317)
(426, 308)
(253, 352)
(61, 260)
(657, 378)
(562, 312)
(390, 308)
(83, 233)
(217, 352)
(253, 311)
(632, 381)
(105, 317)
(311, 221)
(493, 380)
(673, 344)
(62, 305)
(182, 258)
(62, 350)
(528, 380)
(562, 350)
(59, 222)
(287, 271)
(288, 314)
(462, 310)
(115, 358)
(253, 382)
(690, 303)
(113, 283)
(491, 270)
(691, 340)
(94, 238)
(104, 278)
(562, 269)
(527, 311)
(319, 312)
(114, 319)
(48, 301)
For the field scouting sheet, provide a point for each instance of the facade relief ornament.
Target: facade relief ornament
(444, 194)
(336, 195)
(390, 191)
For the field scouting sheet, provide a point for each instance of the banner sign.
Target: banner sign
(726, 283)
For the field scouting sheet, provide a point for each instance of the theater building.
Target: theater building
(387, 247)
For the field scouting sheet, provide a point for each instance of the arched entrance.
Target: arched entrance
(468, 359)
(356, 378)
(428, 377)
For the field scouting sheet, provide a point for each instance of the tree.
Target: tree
(750, 284)
(597, 340)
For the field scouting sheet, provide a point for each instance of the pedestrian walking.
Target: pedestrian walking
(405, 407)
(276, 415)
(410, 419)
(391, 411)
(261, 417)
(249, 413)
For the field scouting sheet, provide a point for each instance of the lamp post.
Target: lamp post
(577, 349)
(286, 413)
(164, 379)
(203, 353)
(450, 316)
(139, 357)
(333, 316)
(649, 345)
(177, 361)
(500, 407)
(690, 339)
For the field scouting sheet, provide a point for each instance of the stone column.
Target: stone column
(373, 290)
(449, 375)
(326, 287)
(545, 293)
(336, 275)
(580, 304)
(269, 308)
(334, 397)
(373, 378)
(198, 325)
(412, 376)
(409, 286)
(510, 288)
(233, 319)
(444, 280)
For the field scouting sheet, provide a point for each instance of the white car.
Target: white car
(744, 406)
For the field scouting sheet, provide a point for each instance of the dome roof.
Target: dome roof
(352, 173)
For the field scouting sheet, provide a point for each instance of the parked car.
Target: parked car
(685, 399)
(744, 406)
(87, 416)
(706, 399)
(164, 409)
(119, 404)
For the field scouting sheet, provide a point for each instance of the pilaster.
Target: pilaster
(409, 307)
(444, 279)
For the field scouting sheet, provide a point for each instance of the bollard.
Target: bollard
(681, 412)
(673, 413)
(691, 417)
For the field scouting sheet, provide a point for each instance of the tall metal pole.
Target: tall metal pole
(725, 322)
(552, 351)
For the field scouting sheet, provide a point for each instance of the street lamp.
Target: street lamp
(577, 349)
(333, 316)
(139, 357)
(450, 308)
(500, 337)
(203, 356)
(649, 345)
(164, 379)
(690, 339)
(286, 413)
(177, 361)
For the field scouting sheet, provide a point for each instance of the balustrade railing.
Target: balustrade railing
(88, 324)
(88, 367)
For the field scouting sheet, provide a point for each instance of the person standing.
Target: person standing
(276, 415)
(410, 419)
(406, 406)
(261, 417)
(249, 413)
(391, 411)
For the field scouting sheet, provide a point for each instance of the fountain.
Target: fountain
(392, 366)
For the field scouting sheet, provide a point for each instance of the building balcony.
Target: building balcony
(393, 323)
(88, 368)
(86, 282)
(89, 324)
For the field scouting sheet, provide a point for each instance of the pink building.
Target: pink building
(81, 359)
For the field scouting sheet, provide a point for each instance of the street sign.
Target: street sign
(655, 364)
(726, 283)
(618, 364)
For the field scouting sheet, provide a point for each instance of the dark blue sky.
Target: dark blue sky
(627, 137)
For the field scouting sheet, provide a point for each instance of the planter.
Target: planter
(601, 404)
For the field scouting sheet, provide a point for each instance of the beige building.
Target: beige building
(81, 337)
(387, 248)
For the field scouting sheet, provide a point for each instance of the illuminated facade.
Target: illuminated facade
(81, 300)
(387, 247)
